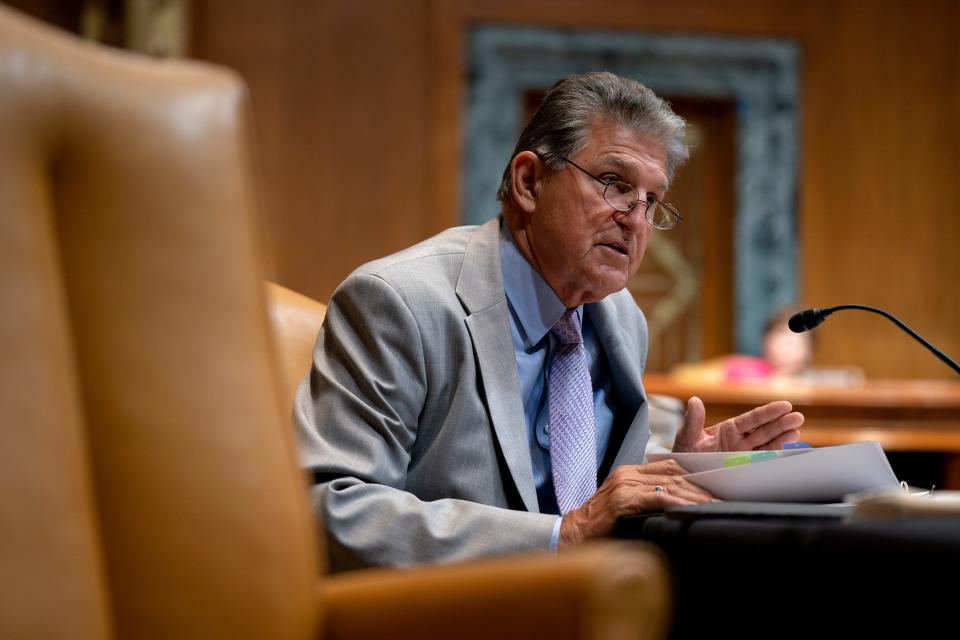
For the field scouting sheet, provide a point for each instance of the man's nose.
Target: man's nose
(635, 218)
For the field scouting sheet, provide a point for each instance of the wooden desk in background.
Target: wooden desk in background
(902, 415)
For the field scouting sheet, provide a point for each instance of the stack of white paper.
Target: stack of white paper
(823, 474)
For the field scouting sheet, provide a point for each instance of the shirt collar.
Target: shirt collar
(536, 307)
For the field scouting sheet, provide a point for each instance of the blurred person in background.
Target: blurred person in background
(786, 359)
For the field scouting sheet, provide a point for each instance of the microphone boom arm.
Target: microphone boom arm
(823, 313)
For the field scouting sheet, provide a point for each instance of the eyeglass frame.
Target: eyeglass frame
(646, 213)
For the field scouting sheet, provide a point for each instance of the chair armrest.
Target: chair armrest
(606, 590)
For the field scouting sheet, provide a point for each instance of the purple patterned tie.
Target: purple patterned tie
(573, 433)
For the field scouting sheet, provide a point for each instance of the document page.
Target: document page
(824, 474)
(697, 462)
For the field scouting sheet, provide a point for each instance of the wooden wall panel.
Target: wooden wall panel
(371, 93)
(340, 104)
(880, 191)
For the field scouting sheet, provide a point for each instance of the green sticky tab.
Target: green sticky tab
(733, 461)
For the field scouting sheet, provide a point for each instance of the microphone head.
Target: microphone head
(806, 320)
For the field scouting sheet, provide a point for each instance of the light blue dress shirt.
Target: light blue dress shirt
(534, 309)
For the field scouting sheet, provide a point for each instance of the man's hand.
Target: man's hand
(629, 490)
(768, 427)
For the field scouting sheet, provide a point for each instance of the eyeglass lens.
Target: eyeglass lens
(660, 216)
(621, 196)
(624, 197)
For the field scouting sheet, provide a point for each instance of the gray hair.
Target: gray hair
(561, 124)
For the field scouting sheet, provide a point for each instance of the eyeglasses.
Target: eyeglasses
(624, 197)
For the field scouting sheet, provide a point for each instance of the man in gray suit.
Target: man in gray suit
(470, 393)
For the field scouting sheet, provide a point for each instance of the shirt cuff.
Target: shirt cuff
(555, 536)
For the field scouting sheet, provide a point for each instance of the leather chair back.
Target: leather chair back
(296, 320)
(148, 479)
(148, 475)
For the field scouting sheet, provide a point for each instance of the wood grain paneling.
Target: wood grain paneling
(340, 103)
(880, 186)
(359, 109)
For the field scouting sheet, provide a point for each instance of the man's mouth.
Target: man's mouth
(619, 247)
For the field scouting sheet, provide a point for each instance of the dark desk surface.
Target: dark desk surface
(823, 577)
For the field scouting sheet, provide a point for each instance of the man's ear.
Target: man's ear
(526, 174)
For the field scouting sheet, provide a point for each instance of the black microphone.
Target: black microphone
(811, 318)
(808, 319)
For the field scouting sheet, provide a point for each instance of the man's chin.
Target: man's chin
(615, 280)
(607, 286)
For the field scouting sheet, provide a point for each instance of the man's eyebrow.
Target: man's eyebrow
(613, 160)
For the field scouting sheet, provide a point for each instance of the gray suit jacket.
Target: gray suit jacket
(411, 422)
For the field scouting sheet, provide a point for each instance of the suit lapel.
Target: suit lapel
(627, 378)
(480, 289)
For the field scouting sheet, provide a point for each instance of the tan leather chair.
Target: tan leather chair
(295, 319)
(148, 477)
